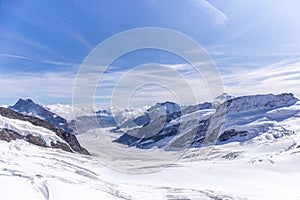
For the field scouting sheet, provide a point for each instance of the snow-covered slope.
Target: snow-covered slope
(14, 125)
(236, 119)
(50, 174)
(261, 168)
(44, 137)
(257, 103)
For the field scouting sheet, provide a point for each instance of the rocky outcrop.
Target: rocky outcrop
(145, 142)
(9, 135)
(35, 140)
(60, 145)
(230, 134)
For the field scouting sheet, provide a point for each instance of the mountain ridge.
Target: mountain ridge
(29, 107)
(69, 138)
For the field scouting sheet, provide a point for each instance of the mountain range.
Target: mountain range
(171, 126)
(168, 125)
(231, 120)
(255, 154)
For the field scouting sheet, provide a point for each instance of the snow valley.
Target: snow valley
(254, 156)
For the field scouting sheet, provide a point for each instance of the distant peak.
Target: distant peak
(224, 97)
(24, 101)
(167, 103)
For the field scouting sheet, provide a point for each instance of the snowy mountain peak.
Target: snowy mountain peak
(25, 104)
(259, 102)
(169, 106)
(224, 97)
(24, 101)
(29, 107)
(170, 109)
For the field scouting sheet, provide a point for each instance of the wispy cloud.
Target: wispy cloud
(76, 36)
(144, 86)
(277, 78)
(12, 36)
(53, 24)
(248, 27)
(150, 83)
(13, 56)
(35, 60)
(218, 16)
(45, 87)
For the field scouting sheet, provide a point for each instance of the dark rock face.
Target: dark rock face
(148, 142)
(229, 134)
(9, 135)
(28, 107)
(192, 138)
(60, 145)
(201, 133)
(35, 140)
(66, 136)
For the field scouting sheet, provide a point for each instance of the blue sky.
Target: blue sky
(255, 44)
